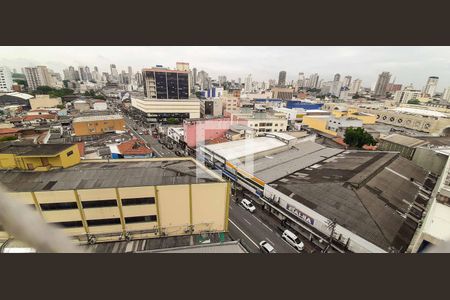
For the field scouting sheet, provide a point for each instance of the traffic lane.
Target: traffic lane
(257, 230)
(238, 234)
(273, 222)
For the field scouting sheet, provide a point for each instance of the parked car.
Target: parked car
(293, 240)
(248, 205)
(266, 247)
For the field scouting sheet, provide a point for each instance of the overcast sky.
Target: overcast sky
(407, 64)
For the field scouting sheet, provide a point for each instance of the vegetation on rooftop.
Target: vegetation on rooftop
(358, 137)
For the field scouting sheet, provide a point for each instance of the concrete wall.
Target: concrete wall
(197, 132)
(430, 160)
(97, 127)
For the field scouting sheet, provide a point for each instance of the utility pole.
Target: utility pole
(331, 226)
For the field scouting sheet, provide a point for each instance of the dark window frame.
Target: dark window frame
(138, 201)
(99, 203)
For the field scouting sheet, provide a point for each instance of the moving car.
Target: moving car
(266, 247)
(248, 205)
(292, 240)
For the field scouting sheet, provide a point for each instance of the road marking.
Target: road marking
(263, 223)
(267, 239)
(230, 207)
(256, 245)
(247, 221)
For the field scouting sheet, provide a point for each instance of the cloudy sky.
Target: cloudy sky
(407, 64)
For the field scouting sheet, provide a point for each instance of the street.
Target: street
(251, 230)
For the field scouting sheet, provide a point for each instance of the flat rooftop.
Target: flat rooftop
(404, 140)
(33, 149)
(376, 195)
(97, 118)
(104, 174)
(281, 164)
(246, 147)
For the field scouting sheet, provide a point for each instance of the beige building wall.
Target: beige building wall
(44, 101)
(192, 107)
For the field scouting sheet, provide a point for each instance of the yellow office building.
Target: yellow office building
(101, 200)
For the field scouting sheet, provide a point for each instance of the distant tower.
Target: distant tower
(382, 83)
(282, 78)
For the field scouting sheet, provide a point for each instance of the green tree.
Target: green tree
(172, 120)
(413, 101)
(8, 138)
(356, 96)
(358, 137)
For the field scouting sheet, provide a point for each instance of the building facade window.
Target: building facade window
(99, 203)
(138, 201)
(58, 206)
(103, 222)
(141, 219)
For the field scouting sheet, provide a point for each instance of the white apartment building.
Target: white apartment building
(261, 121)
(38, 76)
(6, 81)
(407, 94)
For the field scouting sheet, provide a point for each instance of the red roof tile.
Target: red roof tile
(134, 147)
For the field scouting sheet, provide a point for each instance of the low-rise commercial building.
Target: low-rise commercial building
(38, 157)
(165, 110)
(198, 131)
(401, 143)
(44, 101)
(81, 105)
(282, 93)
(112, 200)
(92, 125)
(261, 122)
(211, 107)
(368, 202)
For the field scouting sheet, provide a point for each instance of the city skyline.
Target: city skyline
(406, 64)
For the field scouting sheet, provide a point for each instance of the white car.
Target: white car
(292, 240)
(266, 247)
(248, 205)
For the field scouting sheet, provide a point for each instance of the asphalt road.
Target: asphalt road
(251, 230)
(152, 142)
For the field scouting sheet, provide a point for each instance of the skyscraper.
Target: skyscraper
(114, 72)
(222, 80)
(382, 82)
(313, 81)
(161, 83)
(6, 81)
(130, 75)
(248, 83)
(337, 77)
(355, 86)
(282, 78)
(37, 76)
(194, 75)
(183, 66)
(347, 81)
(431, 85)
(87, 71)
(82, 72)
(301, 80)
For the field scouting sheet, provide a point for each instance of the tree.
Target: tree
(356, 96)
(413, 101)
(172, 120)
(358, 137)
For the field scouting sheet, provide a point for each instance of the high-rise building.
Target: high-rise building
(337, 77)
(446, 94)
(130, 75)
(194, 75)
(6, 81)
(37, 76)
(313, 81)
(430, 87)
(82, 72)
(301, 80)
(248, 83)
(138, 78)
(282, 78)
(347, 81)
(381, 85)
(114, 72)
(355, 86)
(222, 80)
(163, 83)
(87, 71)
(202, 79)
